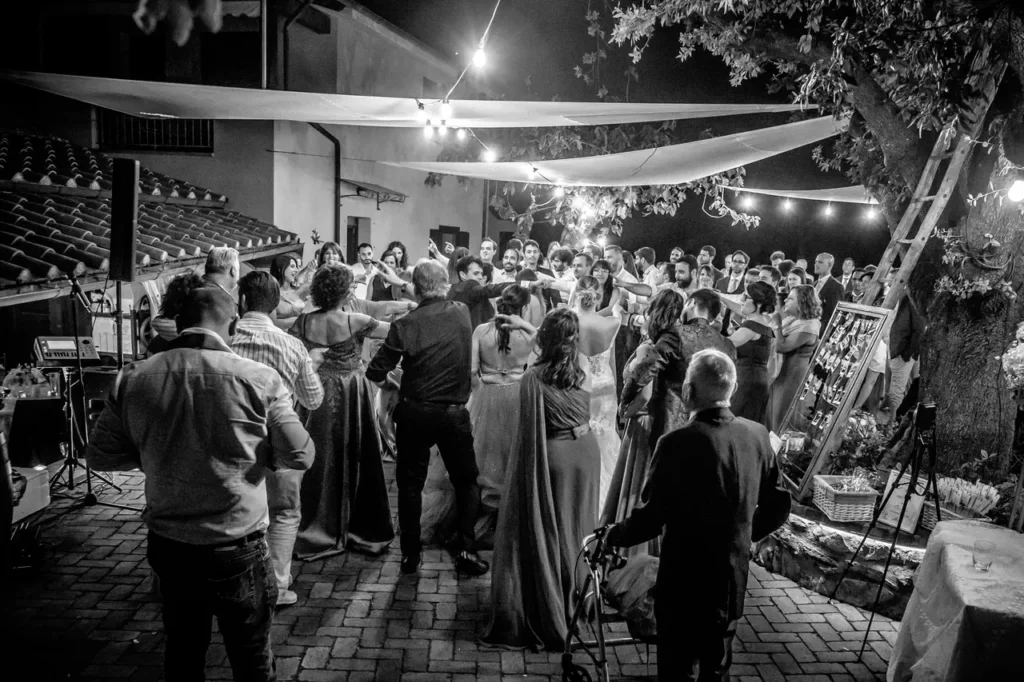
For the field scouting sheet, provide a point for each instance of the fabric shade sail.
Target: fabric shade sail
(670, 165)
(179, 100)
(855, 194)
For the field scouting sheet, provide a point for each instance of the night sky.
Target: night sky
(544, 41)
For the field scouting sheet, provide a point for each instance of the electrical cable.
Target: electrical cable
(483, 41)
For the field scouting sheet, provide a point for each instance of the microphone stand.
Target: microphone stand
(73, 457)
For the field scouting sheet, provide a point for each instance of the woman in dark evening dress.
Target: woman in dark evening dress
(634, 462)
(798, 336)
(551, 501)
(344, 496)
(753, 341)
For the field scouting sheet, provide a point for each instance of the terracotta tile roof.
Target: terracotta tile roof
(55, 215)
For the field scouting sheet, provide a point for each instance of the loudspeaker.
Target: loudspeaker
(124, 219)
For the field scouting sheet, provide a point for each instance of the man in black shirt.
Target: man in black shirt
(472, 291)
(433, 343)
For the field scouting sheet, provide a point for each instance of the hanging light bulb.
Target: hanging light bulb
(872, 213)
(421, 112)
(602, 241)
(428, 130)
(787, 205)
(489, 155)
(479, 58)
(579, 203)
(1016, 191)
(747, 202)
(446, 110)
(461, 134)
(559, 192)
(828, 211)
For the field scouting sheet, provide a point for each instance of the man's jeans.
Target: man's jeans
(233, 583)
(902, 372)
(285, 514)
(420, 427)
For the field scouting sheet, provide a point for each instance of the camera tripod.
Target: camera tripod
(924, 444)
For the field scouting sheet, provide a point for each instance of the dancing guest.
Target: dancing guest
(776, 258)
(259, 339)
(707, 257)
(706, 277)
(509, 267)
(379, 288)
(344, 497)
(488, 250)
(177, 416)
(473, 292)
(686, 275)
(363, 271)
(434, 345)
(753, 341)
(676, 253)
(610, 294)
(727, 466)
(733, 281)
(165, 325)
(501, 354)
(597, 338)
(641, 370)
(401, 255)
(452, 267)
(330, 254)
(222, 269)
(647, 265)
(285, 269)
(551, 502)
(799, 325)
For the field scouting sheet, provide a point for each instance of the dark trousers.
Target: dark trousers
(236, 584)
(626, 341)
(418, 428)
(686, 645)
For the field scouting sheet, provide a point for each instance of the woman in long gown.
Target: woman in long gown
(294, 288)
(634, 461)
(597, 338)
(798, 335)
(753, 342)
(501, 354)
(551, 502)
(344, 495)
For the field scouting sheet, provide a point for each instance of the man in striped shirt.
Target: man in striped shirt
(257, 338)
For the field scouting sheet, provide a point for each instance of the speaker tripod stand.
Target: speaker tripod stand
(78, 434)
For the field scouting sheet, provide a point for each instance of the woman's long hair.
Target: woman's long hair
(629, 264)
(764, 297)
(512, 302)
(609, 287)
(664, 312)
(403, 263)
(329, 247)
(559, 343)
(588, 292)
(808, 305)
(279, 266)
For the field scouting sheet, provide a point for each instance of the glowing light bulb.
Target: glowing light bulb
(602, 241)
(421, 112)
(489, 156)
(872, 213)
(428, 131)
(828, 211)
(787, 205)
(442, 129)
(1016, 191)
(460, 134)
(559, 192)
(579, 203)
(479, 58)
(747, 202)
(446, 110)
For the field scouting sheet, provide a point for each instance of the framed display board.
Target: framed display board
(816, 420)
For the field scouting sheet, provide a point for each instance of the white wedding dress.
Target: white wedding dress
(600, 368)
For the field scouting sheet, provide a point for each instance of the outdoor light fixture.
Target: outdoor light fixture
(747, 202)
(489, 155)
(533, 172)
(479, 58)
(421, 112)
(559, 192)
(1016, 191)
(579, 203)
(428, 130)
(872, 213)
(787, 205)
(460, 134)
(442, 129)
(602, 241)
(828, 211)
(446, 110)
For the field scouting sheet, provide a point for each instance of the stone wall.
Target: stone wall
(813, 555)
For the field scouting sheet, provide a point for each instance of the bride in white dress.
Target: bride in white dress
(597, 335)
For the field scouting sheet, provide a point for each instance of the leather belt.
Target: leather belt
(569, 434)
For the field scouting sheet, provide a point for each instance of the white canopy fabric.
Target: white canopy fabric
(671, 165)
(855, 194)
(179, 100)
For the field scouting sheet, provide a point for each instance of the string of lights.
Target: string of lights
(748, 203)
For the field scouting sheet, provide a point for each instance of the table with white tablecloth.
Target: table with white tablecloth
(963, 623)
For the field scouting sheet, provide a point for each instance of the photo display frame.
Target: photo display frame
(816, 420)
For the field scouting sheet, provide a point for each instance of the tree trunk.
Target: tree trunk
(961, 369)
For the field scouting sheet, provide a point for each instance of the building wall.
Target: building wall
(303, 191)
(240, 168)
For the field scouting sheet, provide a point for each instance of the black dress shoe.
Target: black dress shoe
(470, 563)
(411, 563)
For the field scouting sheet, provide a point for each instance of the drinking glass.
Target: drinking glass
(983, 553)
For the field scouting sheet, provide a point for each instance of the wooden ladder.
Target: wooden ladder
(902, 244)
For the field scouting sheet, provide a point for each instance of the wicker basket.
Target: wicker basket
(841, 506)
(928, 518)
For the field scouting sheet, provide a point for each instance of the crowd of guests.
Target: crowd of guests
(528, 397)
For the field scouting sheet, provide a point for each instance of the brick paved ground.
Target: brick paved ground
(89, 613)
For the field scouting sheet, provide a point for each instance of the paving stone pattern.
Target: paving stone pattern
(90, 613)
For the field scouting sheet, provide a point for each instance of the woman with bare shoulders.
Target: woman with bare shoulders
(344, 496)
(597, 336)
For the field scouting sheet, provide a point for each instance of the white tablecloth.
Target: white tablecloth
(961, 623)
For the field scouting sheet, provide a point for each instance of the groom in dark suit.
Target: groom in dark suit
(732, 282)
(713, 489)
